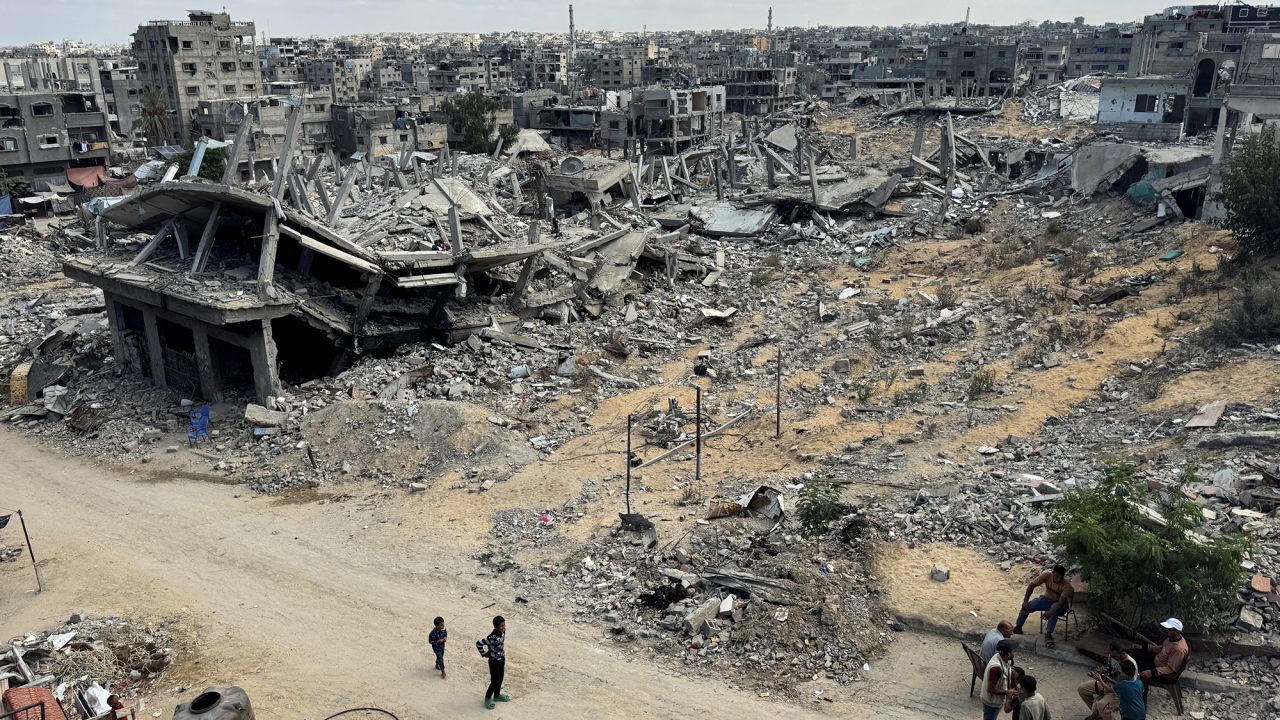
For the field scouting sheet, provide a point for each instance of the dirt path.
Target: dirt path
(318, 607)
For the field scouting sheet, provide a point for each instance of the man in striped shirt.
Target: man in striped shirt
(493, 647)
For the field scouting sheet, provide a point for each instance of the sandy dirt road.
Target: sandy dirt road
(318, 607)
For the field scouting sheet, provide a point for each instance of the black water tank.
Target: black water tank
(216, 704)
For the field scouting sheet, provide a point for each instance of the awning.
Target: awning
(38, 200)
(87, 177)
(59, 188)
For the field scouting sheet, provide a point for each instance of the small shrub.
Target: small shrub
(890, 378)
(865, 392)
(689, 495)
(1055, 228)
(1253, 316)
(948, 297)
(974, 225)
(773, 260)
(982, 382)
(818, 507)
(761, 278)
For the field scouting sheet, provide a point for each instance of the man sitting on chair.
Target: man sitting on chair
(1167, 660)
(1055, 602)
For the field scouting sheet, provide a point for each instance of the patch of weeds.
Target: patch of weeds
(890, 378)
(1253, 315)
(773, 260)
(974, 225)
(1194, 281)
(982, 383)
(689, 495)
(865, 391)
(948, 297)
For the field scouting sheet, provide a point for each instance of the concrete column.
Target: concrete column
(117, 336)
(155, 350)
(266, 376)
(210, 381)
(1220, 138)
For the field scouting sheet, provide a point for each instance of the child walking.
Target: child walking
(493, 647)
(437, 638)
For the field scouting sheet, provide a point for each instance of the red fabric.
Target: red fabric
(15, 698)
(87, 177)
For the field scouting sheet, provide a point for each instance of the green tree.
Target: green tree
(1250, 186)
(155, 116)
(1141, 565)
(14, 186)
(475, 117)
(211, 167)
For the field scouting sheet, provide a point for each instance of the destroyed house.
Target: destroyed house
(220, 290)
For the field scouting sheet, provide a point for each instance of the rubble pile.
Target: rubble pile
(748, 598)
(88, 657)
(442, 321)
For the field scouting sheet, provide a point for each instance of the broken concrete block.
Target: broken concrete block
(261, 417)
(940, 573)
(694, 619)
(840, 366)
(1249, 619)
(726, 606)
(1035, 522)
(915, 372)
(1260, 584)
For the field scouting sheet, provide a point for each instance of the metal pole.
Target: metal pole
(628, 464)
(697, 452)
(34, 567)
(777, 400)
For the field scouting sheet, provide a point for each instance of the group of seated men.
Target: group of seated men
(1116, 691)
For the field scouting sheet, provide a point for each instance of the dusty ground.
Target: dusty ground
(314, 607)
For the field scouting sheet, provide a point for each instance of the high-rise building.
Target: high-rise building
(206, 57)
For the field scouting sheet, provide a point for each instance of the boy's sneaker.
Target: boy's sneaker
(1048, 641)
(1017, 630)
(503, 697)
(488, 704)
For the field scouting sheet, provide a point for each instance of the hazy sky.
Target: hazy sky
(104, 21)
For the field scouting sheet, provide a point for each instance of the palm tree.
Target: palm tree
(155, 116)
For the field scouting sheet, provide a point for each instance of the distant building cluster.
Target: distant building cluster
(68, 112)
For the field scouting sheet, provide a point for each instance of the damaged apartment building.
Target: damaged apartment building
(205, 57)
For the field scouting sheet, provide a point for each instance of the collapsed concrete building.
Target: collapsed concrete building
(231, 286)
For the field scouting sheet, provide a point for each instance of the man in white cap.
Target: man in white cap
(1167, 660)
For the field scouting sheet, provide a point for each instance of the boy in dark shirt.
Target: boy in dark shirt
(438, 637)
(493, 647)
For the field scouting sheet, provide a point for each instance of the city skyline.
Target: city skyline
(113, 21)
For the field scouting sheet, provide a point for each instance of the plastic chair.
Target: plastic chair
(978, 666)
(1063, 619)
(1172, 684)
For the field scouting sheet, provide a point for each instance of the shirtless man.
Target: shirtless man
(1055, 602)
